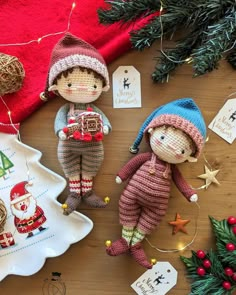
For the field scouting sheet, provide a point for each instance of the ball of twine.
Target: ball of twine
(11, 74)
(3, 215)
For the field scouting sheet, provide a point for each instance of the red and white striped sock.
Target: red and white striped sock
(75, 186)
(87, 184)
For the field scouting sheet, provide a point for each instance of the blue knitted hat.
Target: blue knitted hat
(182, 114)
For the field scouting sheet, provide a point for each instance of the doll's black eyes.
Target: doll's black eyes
(95, 86)
(69, 84)
(182, 152)
(162, 137)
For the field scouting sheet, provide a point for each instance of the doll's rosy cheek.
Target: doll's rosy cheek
(69, 91)
(157, 141)
(179, 156)
(94, 92)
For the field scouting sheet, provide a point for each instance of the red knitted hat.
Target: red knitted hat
(71, 52)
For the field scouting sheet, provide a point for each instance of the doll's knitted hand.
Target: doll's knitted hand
(118, 180)
(105, 129)
(62, 135)
(194, 198)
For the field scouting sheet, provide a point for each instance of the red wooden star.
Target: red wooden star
(178, 224)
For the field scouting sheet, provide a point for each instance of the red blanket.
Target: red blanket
(25, 20)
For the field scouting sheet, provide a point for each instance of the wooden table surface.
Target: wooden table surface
(86, 268)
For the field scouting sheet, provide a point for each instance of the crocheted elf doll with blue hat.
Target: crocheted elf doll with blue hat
(78, 74)
(176, 133)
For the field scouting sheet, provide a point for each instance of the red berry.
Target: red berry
(228, 271)
(234, 276)
(206, 263)
(201, 254)
(234, 229)
(230, 247)
(231, 220)
(226, 285)
(201, 271)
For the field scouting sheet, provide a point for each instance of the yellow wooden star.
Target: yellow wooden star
(178, 224)
(209, 176)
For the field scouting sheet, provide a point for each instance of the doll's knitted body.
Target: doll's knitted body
(76, 156)
(144, 201)
(79, 75)
(175, 133)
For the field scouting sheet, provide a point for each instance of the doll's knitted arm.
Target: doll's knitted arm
(106, 122)
(61, 119)
(182, 185)
(132, 166)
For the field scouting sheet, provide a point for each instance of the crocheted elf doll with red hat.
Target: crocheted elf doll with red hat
(176, 133)
(78, 74)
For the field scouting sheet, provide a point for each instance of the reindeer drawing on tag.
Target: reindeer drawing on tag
(125, 84)
(158, 279)
(233, 116)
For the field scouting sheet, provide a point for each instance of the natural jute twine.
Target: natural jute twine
(11, 74)
(3, 215)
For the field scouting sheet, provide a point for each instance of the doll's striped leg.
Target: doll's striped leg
(149, 219)
(92, 157)
(129, 214)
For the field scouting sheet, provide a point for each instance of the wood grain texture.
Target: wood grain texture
(86, 268)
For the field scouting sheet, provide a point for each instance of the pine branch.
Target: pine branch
(231, 58)
(218, 39)
(175, 57)
(152, 31)
(127, 11)
(222, 231)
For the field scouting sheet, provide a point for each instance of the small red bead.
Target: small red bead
(231, 220)
(201, 271)
(228, 271)
(201, 254)
(234, 229)
(89, 109)
(206, 263)
(65, 130)
(226, 285)
(230, 247)
(234, 276)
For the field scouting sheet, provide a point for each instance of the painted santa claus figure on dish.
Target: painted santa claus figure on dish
(28, 215)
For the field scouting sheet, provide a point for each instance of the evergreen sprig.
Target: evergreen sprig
(127, 11)
(214, 20)
(212, 281)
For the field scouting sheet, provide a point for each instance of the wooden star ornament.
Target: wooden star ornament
(178, 224)
(209, 176)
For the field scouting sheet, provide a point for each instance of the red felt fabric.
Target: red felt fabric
(25, 20)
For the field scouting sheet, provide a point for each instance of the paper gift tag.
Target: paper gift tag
(158, 280)
(224, 123)
(126, 87)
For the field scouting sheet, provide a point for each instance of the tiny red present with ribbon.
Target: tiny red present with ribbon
(6, 240)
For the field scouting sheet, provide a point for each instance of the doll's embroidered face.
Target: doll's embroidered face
(171, 145)
(79, 85)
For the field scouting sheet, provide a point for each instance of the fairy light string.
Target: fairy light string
(184, 247)
(38, 40)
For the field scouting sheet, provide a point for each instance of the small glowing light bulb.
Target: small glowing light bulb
(73, 5)
(39, 40)
(9, 113)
